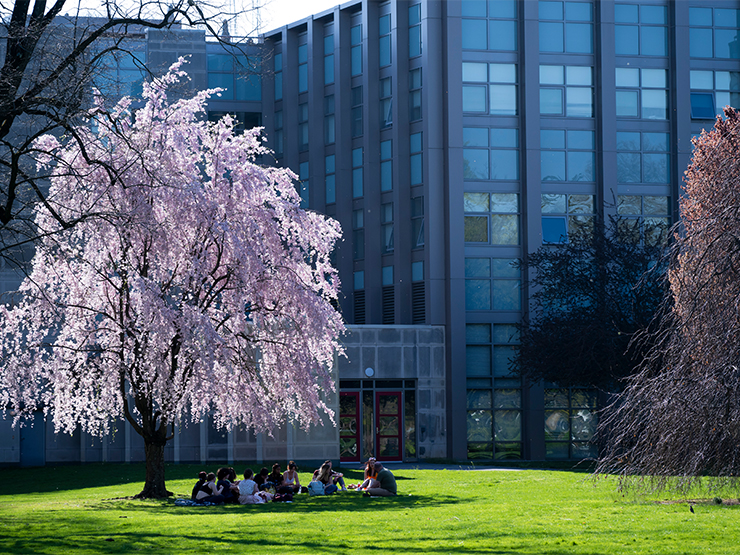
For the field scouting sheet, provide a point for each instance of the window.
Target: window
(567, 155)
(329, 55)
(565, 215)
(357, 111)
(358, 234)
(384, 40)
(303, 178)
(415, 94)
(227, 71)
(386, 103)
(566, 30)
(278, 135)
(640, 30)
(570, 423)
(414, 30)
(720, 41)
(357, 177)
(329, 179)
(278, 67)
(494, 427)
(491, 218)
(416, 159)
(642, 93)
(302, 63)
(303, 126)
(386, 227)
(490, 154)
(643, 219)
(566, 91)
(329, 125)
(417, 222)
(492, 284)
(719, 89)
(386, 165)
(499, 32)
(643, 157)
(498, 98)
(388, 295)
(355, 34)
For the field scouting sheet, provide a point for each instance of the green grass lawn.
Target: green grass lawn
(83, 509)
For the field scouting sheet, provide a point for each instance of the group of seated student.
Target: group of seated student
(378, 481)
(329, 477)
(223, 487)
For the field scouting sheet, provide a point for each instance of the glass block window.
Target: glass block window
(570, 423)
(567, 155)
(490, 88)
(386, 103)
(566, 27)
(358, 234)
(304, 185)
(711, 91)
(643, 219)
(416, 159)
(355, 36)
(384, 40)
(713, 33)
(415, 94)
(489, 25)
(643, 157)
(417, 222)
(566, 91)
(640, 30)
(386, 227)
(329, 120)
(642, 93)
(494, 399)
(564, 215)
(356, 98)
(491, 218)
(386, 165)
(329, 54)
(490, 154)
(414, 30)
(357, 173)
(330, 179)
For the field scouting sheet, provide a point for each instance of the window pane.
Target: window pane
(655, 168)
(416, 169)
(700, 43)
(580, 166)
(478, 360)
(653, 41)
(551, 75)
(474, 8)
(628, 205)
(384, 51)
(700, 16)
(581, 204)
(702, 106)
(551, 101)
(505, 268)
(502, 73)
(476, 229)
(579, 102)
(506, 296)
(627, 104)
(554, 230)
(478, 297)
(627, 77)
(654, 104)
(504, 229)
(553, 204)
(553, 166)
(477, 333)
(474, 99)
(725, 17)
(656, 205)
(479, 399)
(551, 37)
(502, 35)
(653, 14)
(578, 11)
(331, 191)
(505, 137)
(578, 75)
(504, 202)
(581, 139)
(625, 13)
(727, 80)
(579, 38)
(655, 141)
(477, 73)
(628, 141)
(475, 136)
(552, 138)
(505, 164)
(328, 69)
(625, 40)
(414, 41)
(503, 100)
(628, 167)
(550, 10)
(476, 202)
(502, 8)
(725, 43)
(386, 175)
(477, 267)
(703, 80)
(474, 34)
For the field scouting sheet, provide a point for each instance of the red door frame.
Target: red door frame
(399, 435)
(356, 416)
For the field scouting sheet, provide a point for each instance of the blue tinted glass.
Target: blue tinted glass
(655, 168)
(554, 230)
(384, 24)
(625, 13)
(330, 163)
(416, 169)
(414, 14)
(415, 142)
(357, 186)
(628, 167)
(579, 38)
(475, 163)
(387, 274)
(552, 165)
(505, 137)
(279, 85)
(477, 73)
(627, 104)
(628, 140)
(386, 150)
(505, 164)
(551, 10)
(551, 37)
(579, 102)
(329, 69)
(503, 100)
(474, 99)
(386, 175)
(505, 268)
(478, 297)
(331, 191)
(414, 41)
(653, 41)
(702, 106)
(475, 136)
(700, 43)
(627, 77)
(303, 54)
(581, 140)
(501, 35)
(329, 45)
(506, 296)
(474, 34)
(726, 44)
(356, 56)
(474, 8)
(653, 14)
(478, 333)
(552, 138)
(278, 62)
(551, 75)
(551, 101)
(356, 34)
(655, 142)
(384, 50)
(725, 17)
(219, 62)
(303, 78)
(700, 16)
(222, 81)
(417, 271)
(359, 280)
(625, 40)
(654, 104)
(249, 87)
(578, 11)
(502, 8)
(356, 157)
(580, 166)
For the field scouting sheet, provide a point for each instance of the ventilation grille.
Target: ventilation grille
(360, 307)
(389, 305)
(418, 304)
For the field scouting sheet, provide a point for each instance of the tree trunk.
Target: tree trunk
(154, 486)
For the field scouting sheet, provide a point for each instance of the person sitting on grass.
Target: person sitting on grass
(249, 493)
(261, 478)
(329, 478)
(386, 483)
(291, 483)
(209, 492)
(202, 479)
(275, 478)
(229, 490)
(370, 477)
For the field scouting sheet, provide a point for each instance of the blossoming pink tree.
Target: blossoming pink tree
(194, 283)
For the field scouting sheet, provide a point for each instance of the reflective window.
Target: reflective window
(565, 215)
(414, 30)
(648, 34)
(574, 99)
(643, 219)
(566, 30)
(648, 97)
(491, 218)
(719, 89)
(720, 41)
(498, 33)
(643, 157)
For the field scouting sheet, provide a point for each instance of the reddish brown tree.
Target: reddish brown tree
(679, 419)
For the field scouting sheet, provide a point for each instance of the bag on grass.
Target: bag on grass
(315, 488)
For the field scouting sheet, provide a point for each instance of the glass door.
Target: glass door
(349, 417)
(388, 425)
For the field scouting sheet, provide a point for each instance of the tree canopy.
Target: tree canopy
(200, 286)
(679, 418)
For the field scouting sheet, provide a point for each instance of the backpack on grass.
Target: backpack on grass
(315, 488)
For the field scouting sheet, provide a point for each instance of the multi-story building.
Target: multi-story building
(450, 139)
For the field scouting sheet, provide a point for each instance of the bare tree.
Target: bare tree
(50, 60)
(679, 418)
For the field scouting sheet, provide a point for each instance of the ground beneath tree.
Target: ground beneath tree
(708, 501)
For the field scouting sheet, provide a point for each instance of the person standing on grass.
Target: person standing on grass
(387, 481)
